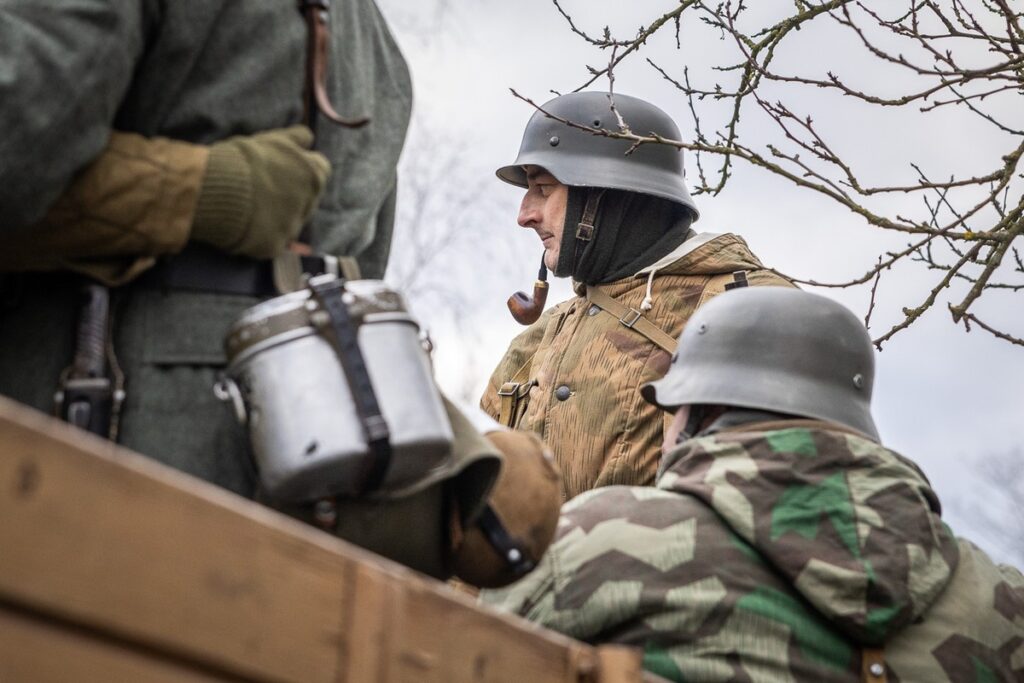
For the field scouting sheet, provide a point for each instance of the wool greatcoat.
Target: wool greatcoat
(585, 368)
(197, 71)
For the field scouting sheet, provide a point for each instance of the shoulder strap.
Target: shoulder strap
(631, 318)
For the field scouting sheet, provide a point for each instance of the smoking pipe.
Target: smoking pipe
(525, 309)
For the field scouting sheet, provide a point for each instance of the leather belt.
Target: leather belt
(203, 269)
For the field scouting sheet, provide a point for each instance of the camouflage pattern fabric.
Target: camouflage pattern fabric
(603, 432)
(778, 554)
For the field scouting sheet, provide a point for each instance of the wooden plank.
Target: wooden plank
(98, 536)
(490, 651)
(618, 664)
(431, 633)
(33, 651)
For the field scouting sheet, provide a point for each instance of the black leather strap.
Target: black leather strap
(502, 541)
(346, 345)
(203, 269)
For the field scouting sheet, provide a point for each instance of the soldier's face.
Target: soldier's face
(543, 210)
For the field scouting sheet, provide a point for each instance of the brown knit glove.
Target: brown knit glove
(258, 191)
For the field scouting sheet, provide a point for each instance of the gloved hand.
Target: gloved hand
(258, 191)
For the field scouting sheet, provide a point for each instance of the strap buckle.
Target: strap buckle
(631, 317)
(739, 279)
(508, 389)
(584, 231)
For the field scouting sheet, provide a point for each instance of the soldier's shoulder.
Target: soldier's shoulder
(614, 513)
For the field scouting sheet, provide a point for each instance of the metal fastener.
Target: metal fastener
(594, 310)
(563, 392)
(554, 141)
(703, 328)
(858, 381)
(325, 514)
(320, 319)
(876, 670)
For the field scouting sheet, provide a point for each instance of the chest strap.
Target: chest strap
(631, 318)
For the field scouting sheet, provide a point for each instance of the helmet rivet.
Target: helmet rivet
(703, 328)
(597, 123)
(554, 141)
(858, 381)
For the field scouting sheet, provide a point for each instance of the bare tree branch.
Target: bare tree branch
(926, 59)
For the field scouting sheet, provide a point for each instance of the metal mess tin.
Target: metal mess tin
(288, 385)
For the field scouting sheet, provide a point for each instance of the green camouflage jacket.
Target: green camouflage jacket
(585, 368)
(779, 553)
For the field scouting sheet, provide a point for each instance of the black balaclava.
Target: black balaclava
(631, 231)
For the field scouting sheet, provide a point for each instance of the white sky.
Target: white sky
(943, 397)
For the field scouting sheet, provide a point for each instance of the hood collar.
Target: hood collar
(690, 245)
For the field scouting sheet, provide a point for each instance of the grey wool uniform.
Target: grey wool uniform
(197, 71)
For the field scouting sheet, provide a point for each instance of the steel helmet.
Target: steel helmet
(518, 524)
(773, 348)
(578, 158)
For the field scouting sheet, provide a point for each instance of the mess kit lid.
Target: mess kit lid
(368, 301)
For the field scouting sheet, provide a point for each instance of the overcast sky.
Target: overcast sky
(945, 398)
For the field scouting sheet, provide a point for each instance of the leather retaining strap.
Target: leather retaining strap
(346, 345)
(317, 101)
(510, 550)
(631, 318)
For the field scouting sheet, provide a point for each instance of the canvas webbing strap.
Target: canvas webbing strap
(631, 318)
(872, 665)
(512, 392)
(349, 268)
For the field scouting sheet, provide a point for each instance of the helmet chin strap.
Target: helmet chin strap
(586, 228)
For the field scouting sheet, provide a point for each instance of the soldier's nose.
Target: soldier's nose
(529, 214)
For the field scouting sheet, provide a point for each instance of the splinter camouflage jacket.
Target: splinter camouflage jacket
(584, 369)
(780, 552)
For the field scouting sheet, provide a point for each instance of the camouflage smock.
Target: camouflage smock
(586, 368)
(778, 554)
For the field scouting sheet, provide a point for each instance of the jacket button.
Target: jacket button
(563, 392)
